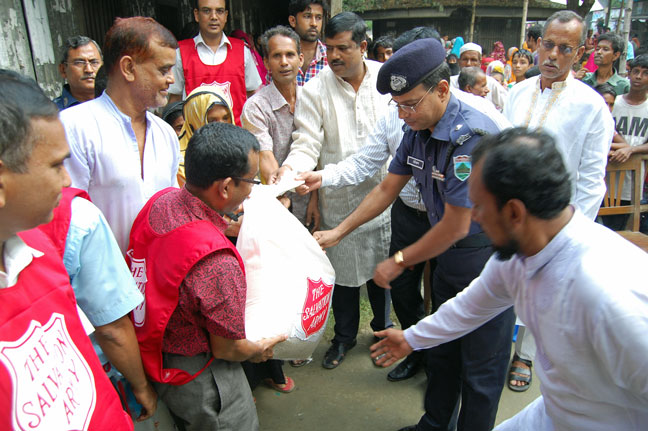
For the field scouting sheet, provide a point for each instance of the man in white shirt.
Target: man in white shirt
(566, 108)
(470, 56)
(334, 116)
(121, 154)
(214, 59)
(552, 264)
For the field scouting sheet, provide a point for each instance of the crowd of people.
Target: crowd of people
(422, 161)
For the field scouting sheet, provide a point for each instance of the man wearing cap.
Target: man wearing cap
(436, 151)
(470, 56)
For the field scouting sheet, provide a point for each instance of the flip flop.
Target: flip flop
(519, 374)
(286, 388)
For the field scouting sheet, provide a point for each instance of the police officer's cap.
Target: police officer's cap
(409, 66)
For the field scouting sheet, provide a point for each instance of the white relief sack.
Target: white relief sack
(289, 278)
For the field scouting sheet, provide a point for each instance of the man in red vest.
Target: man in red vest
(214, 59)
(191, 326)
(50, 376)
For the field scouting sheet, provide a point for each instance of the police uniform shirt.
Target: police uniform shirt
(423, 155)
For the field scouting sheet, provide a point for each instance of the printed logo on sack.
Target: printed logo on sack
(53, 387)
(316, 306)
(225, 88)
(138, 269)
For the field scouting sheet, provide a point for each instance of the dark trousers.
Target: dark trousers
(473, 368)
(408, 226)
(346, 310)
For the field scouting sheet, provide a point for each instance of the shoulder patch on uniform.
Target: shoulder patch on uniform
(462, 167)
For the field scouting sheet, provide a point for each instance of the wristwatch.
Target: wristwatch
(398, 258)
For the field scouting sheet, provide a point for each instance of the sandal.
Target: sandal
(519, 374)
(286, 388)
(300, 362)
(336, 353)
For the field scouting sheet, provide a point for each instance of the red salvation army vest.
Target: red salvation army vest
(57, 229)
(159, 263)
(50, 376)
(229, 75)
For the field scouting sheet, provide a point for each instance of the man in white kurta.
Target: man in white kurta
(336, 112)
(589, 321)
(120, 153)
(571, 111)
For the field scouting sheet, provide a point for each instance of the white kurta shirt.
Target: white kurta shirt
(332, 122)
(105, 161)
(585, 299)
(577, 117)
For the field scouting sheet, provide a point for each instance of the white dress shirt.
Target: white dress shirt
(105, 160)
(17, 256)
(211, 58)
(584, 297)
(580, 122)
(332, 122)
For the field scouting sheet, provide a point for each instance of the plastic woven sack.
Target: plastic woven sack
(289, 278)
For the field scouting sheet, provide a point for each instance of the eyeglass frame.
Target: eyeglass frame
(94, 63)
(410, 108)
(563, 49)
(247, 180)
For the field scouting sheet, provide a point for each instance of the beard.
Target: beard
(506, 251)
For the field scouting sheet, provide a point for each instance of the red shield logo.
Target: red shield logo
(316, 306)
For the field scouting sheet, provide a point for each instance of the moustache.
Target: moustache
(550, 63)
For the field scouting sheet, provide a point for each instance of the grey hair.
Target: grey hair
(565, 16)
(280, 30)
(73, 43)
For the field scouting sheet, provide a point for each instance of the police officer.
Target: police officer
(436, 151)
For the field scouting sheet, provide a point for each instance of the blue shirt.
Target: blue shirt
(102, 283)
(423, 154)
(66, 99)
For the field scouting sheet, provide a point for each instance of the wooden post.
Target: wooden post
(617, 30)
(472, 21)
(627, 22)
(525, 10)
(336, 7)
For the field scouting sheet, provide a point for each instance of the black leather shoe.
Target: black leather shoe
(406, 369)
(336, 353)
(409, 428)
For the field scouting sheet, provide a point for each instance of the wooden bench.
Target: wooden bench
(614, 180)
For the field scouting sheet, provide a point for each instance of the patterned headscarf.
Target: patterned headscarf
(498, 52)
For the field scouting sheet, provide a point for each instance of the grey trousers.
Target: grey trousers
(218, 399)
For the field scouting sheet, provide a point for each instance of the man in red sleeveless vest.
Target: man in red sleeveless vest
(50, 376)
(214, 59)
(191, 325)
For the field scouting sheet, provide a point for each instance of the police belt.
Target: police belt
(476, 240)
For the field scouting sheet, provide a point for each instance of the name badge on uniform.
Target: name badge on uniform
(437, 175)
(415, 162)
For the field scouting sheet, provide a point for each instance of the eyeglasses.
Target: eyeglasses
(208, 12)
(247, 180)
(409, 108)
(564, 49)
(95, 64)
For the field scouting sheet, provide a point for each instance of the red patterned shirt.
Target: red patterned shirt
(211, 299)
(317, 64)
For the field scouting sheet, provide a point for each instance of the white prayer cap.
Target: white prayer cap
(470, 47)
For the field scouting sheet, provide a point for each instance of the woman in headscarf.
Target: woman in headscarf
(508, 67)
(498, 52)
(205, 104)
(456, 46)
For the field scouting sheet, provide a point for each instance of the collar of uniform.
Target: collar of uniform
(556, 85)
(67, 97)
(224, 40)
(444, 126)
(200, 209)
(277, 101)
(17, 257)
